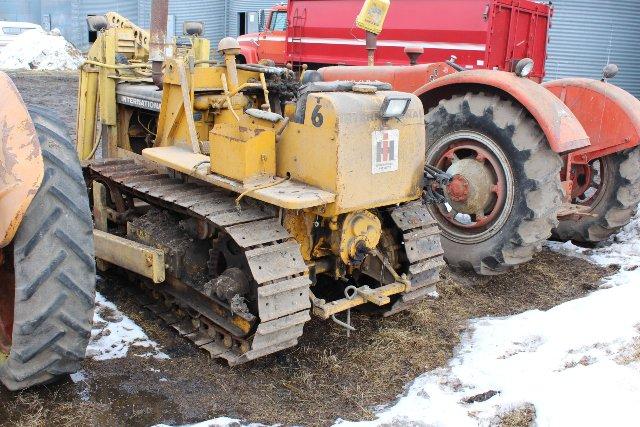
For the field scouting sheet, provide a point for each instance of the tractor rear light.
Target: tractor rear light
(394, 107)
(524, 67)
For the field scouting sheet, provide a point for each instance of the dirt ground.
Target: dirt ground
(56, 90)
(327, 376)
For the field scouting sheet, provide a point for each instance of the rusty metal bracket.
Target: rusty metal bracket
(133, 256)
(349, 293)
(325, 310)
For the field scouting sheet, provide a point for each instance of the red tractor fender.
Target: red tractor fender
(561, 127)
(609, 114)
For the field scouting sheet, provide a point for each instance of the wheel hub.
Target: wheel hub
(480, 196)
(458, 189)
(588, 182)
(470, 191)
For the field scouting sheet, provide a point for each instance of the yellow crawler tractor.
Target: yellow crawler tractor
(47, 267)
(243, 201)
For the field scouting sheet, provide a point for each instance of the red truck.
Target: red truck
(486, 34)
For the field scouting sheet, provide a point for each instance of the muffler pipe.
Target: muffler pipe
(159, 17)
(371, 43)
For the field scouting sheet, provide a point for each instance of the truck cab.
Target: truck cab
(269, 43)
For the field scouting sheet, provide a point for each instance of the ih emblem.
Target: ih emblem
(384, 150)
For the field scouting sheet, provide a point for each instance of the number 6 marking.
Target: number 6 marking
(316, 117)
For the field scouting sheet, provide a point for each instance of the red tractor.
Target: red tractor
(526, 160)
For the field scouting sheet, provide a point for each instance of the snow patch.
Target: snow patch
(219, 422)
(114, 334)
(575, 364)
(80, 378)
(38, 50)
(622, 249)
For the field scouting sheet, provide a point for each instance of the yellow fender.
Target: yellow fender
(21, 164)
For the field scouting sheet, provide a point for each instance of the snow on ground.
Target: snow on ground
(219, 422)
(576, 364)
(114, 334)
(37, 49)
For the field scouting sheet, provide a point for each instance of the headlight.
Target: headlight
(610, 71)
(394, 107)
(524, 67)
(192, 28)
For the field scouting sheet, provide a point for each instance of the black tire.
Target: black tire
(613, 206)
(54, 268)
(536, 193)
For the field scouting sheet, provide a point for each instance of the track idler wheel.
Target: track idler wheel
(232, 286)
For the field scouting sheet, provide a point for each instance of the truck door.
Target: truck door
(273, 39)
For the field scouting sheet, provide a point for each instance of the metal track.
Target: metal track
(273, 258)
(421, 241)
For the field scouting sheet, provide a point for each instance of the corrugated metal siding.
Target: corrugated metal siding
(237, 6)
(127, 8)
(144, 11)
(63, 15)
(585, 34)
(20, 10)
(210, 12)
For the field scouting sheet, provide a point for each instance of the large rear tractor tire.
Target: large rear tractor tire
(53, 270)
(610, 187)
(503, 201)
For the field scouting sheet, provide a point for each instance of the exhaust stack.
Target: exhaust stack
(159, 16)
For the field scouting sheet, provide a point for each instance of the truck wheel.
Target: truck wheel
(503, 201)
(47, 328)
(610, 187)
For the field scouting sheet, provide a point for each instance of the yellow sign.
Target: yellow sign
(371, 17)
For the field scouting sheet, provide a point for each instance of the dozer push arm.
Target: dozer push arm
(119, 54)
(121, 41)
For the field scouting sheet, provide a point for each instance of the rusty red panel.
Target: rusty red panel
(480, 33)
(562, 129)
(518, 30)
(404, 79)
(610, 115)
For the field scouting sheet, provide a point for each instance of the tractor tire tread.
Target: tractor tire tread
(618, 208)
(541, 184)
(54, 268)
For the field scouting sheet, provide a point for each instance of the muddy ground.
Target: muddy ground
(327, 376)
(55, 90)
